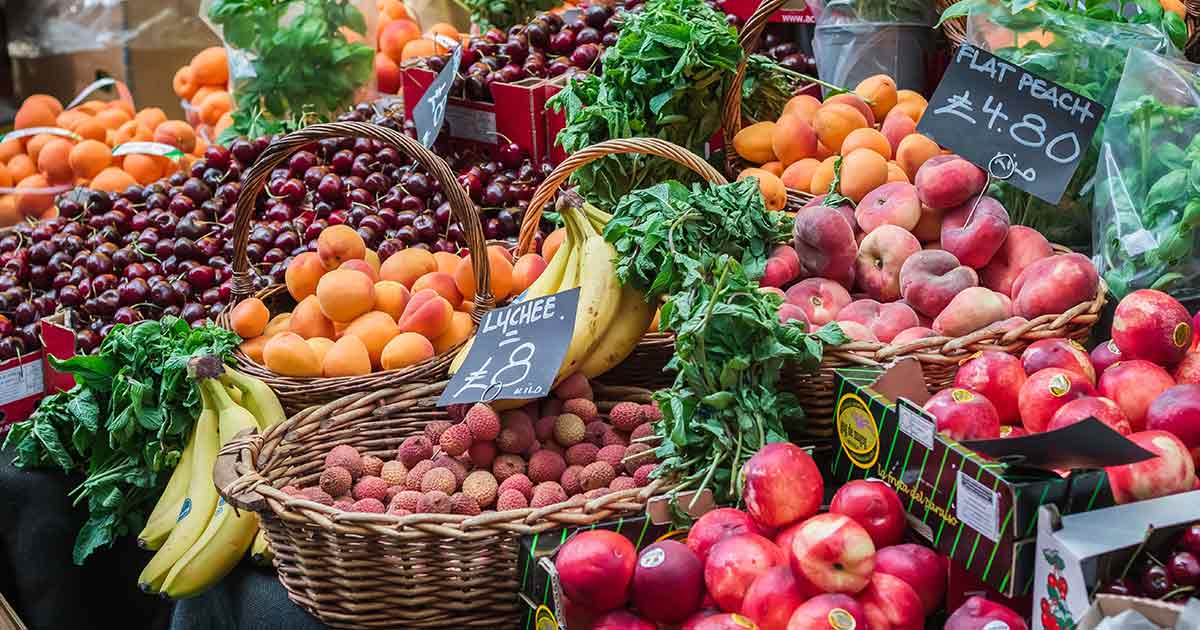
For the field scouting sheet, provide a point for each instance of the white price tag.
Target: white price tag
(21, 381)
(978, 506)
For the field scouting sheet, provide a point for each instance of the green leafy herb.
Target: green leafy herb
(659, 81)
(123, 425)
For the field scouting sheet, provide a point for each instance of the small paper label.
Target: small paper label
(148, 148)
(34, 131)
(916, 426)
(978, 506)
(21, 381)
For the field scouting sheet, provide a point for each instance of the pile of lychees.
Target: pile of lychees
(541, 454)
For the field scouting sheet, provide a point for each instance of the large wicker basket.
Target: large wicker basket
(296, 393)
(355, 570)
(643, 367)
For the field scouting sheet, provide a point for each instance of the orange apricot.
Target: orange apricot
(427, 313)
(880, 93)
(249, 318)
(54, 161)
(6, 180)
(834, 122)
(867, 138)
(132, 131)
(822, 177)
(754, 143)
(9, 215)
(526, 271)
(395, 35)
(70, 119)
(500, 275)
(391, 297)
(552, 242)
(146, 169)
(406, 265)
(913, 151)
(151, 117)
(375, 329)
(278, 324)
(210, 67)
(184, 83)
(460, 329)
(347, 357)
(339, 243)
(799, 175)
(33, 204)
(441, 282)
(406, 349)
(35, 114)
(176, 133)
(345, 294)
(214, 106)
(46, 101)
(804, 106)
(33, 148)
(320, 346)
(793, 139)
(112, 118)
(10, 149)
(863, 170)
(773, 191)
(308, 321)
(422, 47)
(113, 179)
(446, 262)
(21, 166)
(91, 129)
(302, 275)
(254, 348)
(287, 354)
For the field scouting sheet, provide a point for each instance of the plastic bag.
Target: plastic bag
(295, 59)
(40, 28)
(1147, 200)
(1083, 54)
(855, 39)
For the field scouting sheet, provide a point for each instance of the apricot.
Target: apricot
(880, 93)
(46, 101)
(151, 117)
(33, 204)
(526, 270)
(34, 114)
(863, 170)
(132, 131)
(774, 167)
(6, 179)
(33, 148)
(209, 66)
(374, 329)
(146, 169)
(798, 175)
(754, 143)
(92, 107)
(176, 133)
(249, 318)
(911, 104)
(406, 265)
(823, 176)
(9, 215)
(372, 258)
(823, 151)
(112, 179)
(202, 93)
(223, 123)
(362, 267)
(395, 35)
(69, 119)
(54, 162)
(896, 174)
(287, 354)
(804, 106)
(793, 139)
(10, 149)
(460, 329)
(344, 294)
(302, 275)
(834, 122)
(500, 275)
(419, 48)
(91, 130)
(773, 191)
(184, 83)
(426, 313)
(253, 348)
(445, 262)
(278, 324)
(339, 243)
(347, 357)
(391, 297)
(216, 104)
(855, 101)
(914, 150)
(406, 349)
(308, 321)
(112, 118)
(320, 346)
(441, 282)
(553, 241)
(867, 138)
(21, 166)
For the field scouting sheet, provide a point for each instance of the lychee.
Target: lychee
(611, 436)
(612, 454)
(316, 495)
(482, 454)
(412, 480)
(393, 472)
(520, 483)
(405, 500)
(554, 447)
(637, 454)
(343, 503)
(551, 407)
(642, 431)
(582, 454)
(336, 481)
(463, 504)
(574, 386)
(597, 475)
(622, 483)
(546, 466)
(481, 486)
(414, 449)
(290, 490)
(371, 466)
(569, 429)
(434, 502)
(544, 428)
(594, 432)
(570, 480)
(651, 412)
(435, 429)
(369, 505)
(516, 436)
(547, 493)
(483, 422)
(371, 488)
(453, 465)
(457, 412)
(456, 440)
(507, 465)
(641, 476)
(597, 493)
(583, 408)
(625, 416)
(392, 491)
(511, 500)
(347, 457)
(439, 479)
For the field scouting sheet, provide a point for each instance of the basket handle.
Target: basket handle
(731, 116)
(587, 155)
(461, 206)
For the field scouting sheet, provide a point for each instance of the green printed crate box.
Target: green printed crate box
(979, 510)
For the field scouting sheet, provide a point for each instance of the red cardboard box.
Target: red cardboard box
(58, 341)
(22, 385)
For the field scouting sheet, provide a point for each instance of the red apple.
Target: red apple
(1133, 385)
(834, 553)
(874, 505)
(733, 565)
(1080, 409)
(1059, 353)
(1045, 392)
(716, 526)
(1172, 471)
(919, 566)
(668, 582)
(1104, 356)
(782, 485)
(622, 620)
(1177, 411)
(1188, 370)
(998, 376)
(964, 415)
(708, 620)
(772, 598)
(891, 604)
(978, 613)
(595, 568)
(1152, 325)
(825, 612)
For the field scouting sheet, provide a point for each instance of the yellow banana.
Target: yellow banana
(260, 551)
(162, 518)
(234, 393)
(597, 217)
(257, 398)
(229, 532)
(575, 241)
(198, 505)
(599, 296)
(634, 315)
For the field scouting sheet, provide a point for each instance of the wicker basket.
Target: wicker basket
(644, 367)
(355, 570)
(295, 393)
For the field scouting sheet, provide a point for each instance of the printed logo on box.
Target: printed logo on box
(858, 432)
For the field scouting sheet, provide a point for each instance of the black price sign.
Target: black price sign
(993, 112)
(517, 351)
(430, 112)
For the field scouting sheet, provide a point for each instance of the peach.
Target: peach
(1080, 409)
(1060, 353)
(793, 139)
(754, 143)
(361, 266)
(845, 209)
(823, 176)
(896, 127)
(1022, 247)
(972, 309)
(855, 331)
(337, 244)
(780, 271)
(1171, 471)
(890, 204)
(717, 525)
(825, 243)
(404, 350)
(929, 226)
(946, 181)
(345, 294)
(1188, 370)
(1055, 284)
(834, 121)
(931, 278)
(909, 335)
(461, 327)
(406, 265)
(973, 232)
(287, 354)
(773, 191)
(427, 313)
(963, 414)
(302, 275)
(918, 566)
(885, 321)
(374, 329)
(1045, 392)
(734, 563)
(443, 284)
(1106, 355)
(1134, 385)
(820, 299)
(526, 270)
(347, 357)
(1152, 325)
(855, 101)
(772, 598)
(309, 321)
(804, 106)
(863, 170)
(823, 611)
(914, 151)
(881, 255)
(997, 376)
(799, 175)
(390, 297)
(867, 138)
(880, 92)
(782, 485)
(891, 604)
(834, 553)
(1177, 411)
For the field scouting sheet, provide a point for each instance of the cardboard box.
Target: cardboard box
(22, 385)
(1076, 553)
(1160, 613)
(981, 510)
(58, 341)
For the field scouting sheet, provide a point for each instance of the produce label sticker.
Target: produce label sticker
(978, 506)
(148, 148)
(516, 352)
(21, 381)
(990, 111)
(430, 111)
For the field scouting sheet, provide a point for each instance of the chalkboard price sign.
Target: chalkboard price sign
(986, 107)
(517, 351)
(430, 112)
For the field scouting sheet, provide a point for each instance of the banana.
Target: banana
(162, 518)
(260, 551)
(599, 297)
(234, 393)
(229, 532)
(257, 398)
(634, 315)
(198, 505)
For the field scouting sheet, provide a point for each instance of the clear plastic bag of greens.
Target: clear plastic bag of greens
(1086, 55)
(855, 39)
(293, 60)
(1147, 200)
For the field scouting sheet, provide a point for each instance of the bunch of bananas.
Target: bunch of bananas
(199, 538)
(610, 318)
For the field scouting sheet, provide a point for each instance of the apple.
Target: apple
(1152, 325)
(1188, 370)
(964, 415)
(978, 613)
(716, 526)
(1177, 411)
(1080, 409)
(733, 565)
(874, 505)
(828, 611)
(1104, 356)
(1133, 385)
(668, 582)
(772, 598)
(1045, 392)
(834, 553)
(595, 568)
(919, 566)
(1059, 353)
(782, 485)
(890, 603)
(1171, 472)
(998, 377)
